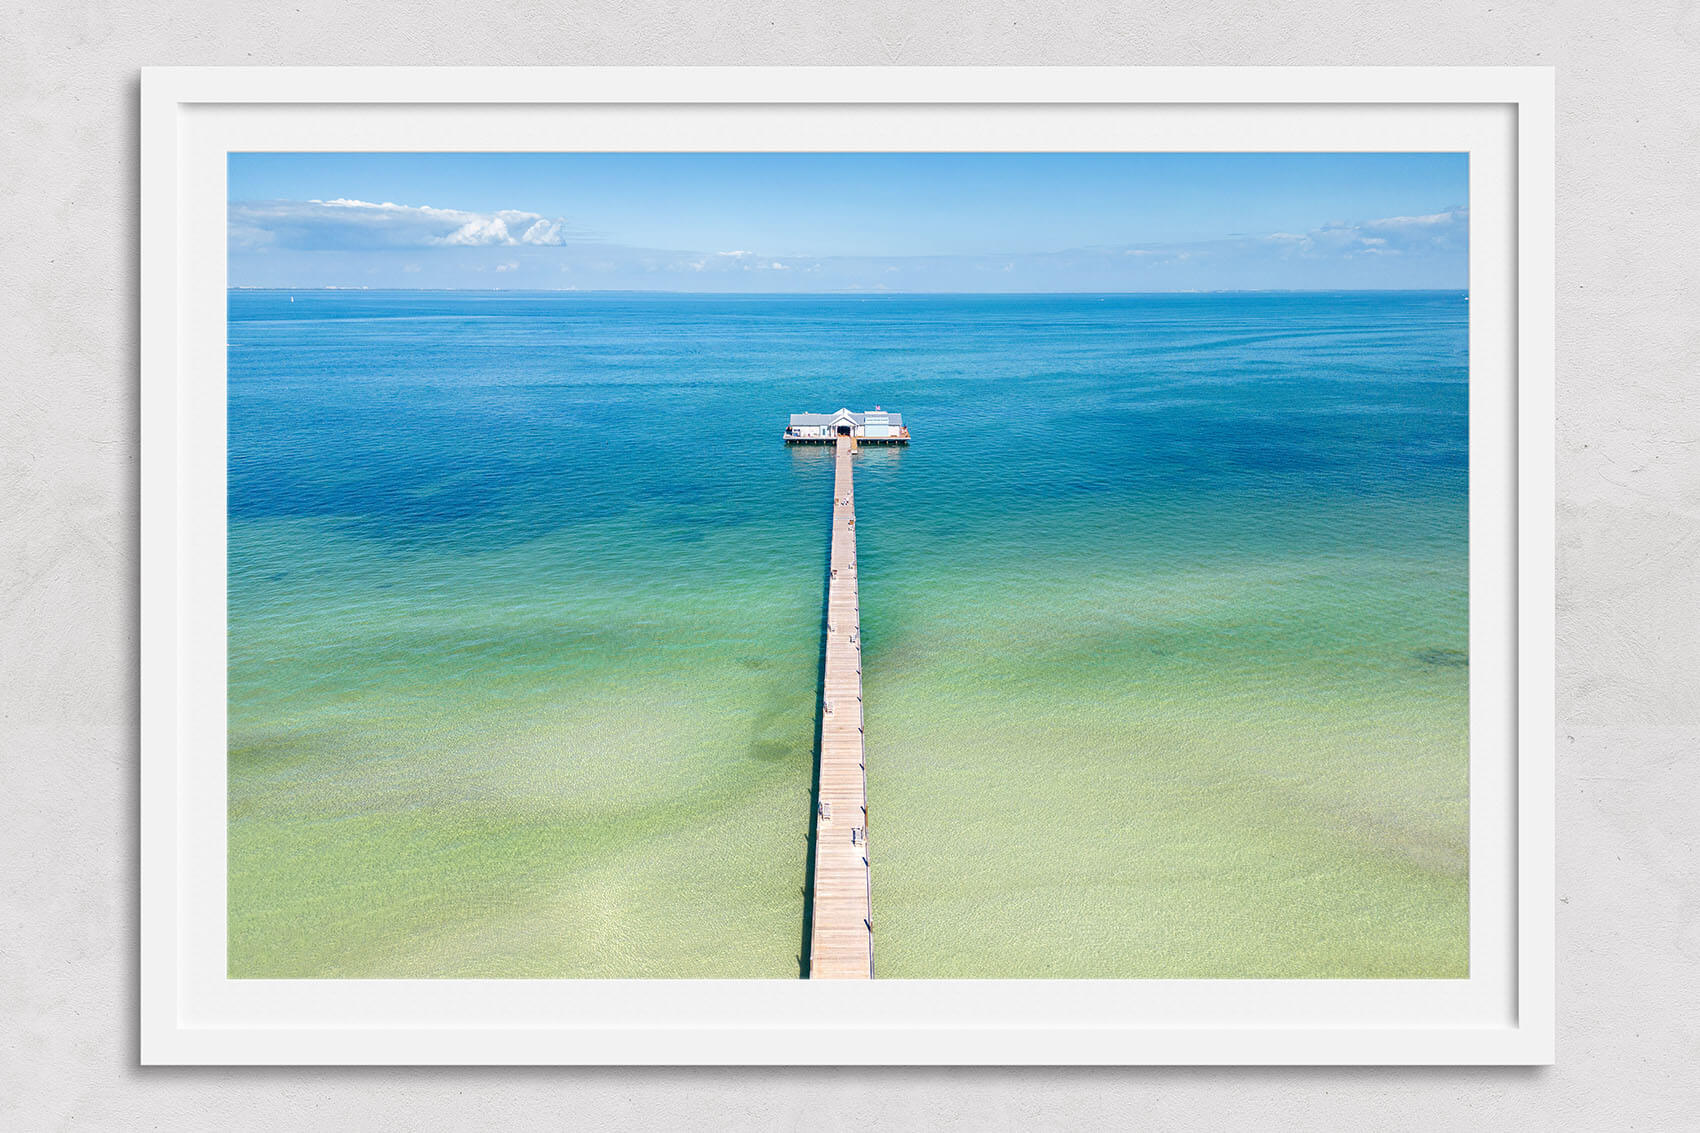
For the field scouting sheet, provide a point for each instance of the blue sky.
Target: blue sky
(850, 222)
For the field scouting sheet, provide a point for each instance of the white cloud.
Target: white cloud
(1441, 229)
(511, 265)
(479, 230)
(342, 223)
(1388, 236)
(545, 232)
(1168, 254)
(1446, 217)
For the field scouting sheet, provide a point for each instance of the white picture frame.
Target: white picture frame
(191, 1013)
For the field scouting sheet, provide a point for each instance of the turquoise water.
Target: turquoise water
(1164, 615)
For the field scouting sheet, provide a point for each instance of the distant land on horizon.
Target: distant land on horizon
(849, 293)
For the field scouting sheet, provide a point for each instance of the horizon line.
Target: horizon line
(843, 292)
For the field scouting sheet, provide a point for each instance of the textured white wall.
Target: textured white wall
(1629, 557)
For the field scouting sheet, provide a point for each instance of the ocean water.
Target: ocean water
(1164, 620)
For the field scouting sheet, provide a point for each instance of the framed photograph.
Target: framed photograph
(847, 566)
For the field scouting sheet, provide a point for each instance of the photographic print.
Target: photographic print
(848, 565)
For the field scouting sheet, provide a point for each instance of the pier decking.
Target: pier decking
(900, 438)
(841, 943)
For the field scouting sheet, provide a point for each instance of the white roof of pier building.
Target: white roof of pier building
(842, 415)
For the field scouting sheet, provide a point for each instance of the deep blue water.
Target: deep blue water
(546, 401)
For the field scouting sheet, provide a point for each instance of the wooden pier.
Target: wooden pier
(841, 943)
